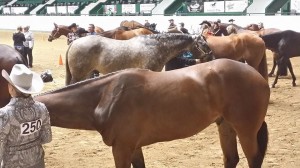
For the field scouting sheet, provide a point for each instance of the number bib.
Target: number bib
(30, 127)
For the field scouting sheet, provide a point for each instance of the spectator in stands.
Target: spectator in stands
(147, 24)
(73, 35)
(19, 38)
(91, 30)
(184, 30)
(28, 45)
(172, 25)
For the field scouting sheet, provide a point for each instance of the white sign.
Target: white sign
(110, 9)
(62, 9)
(30, 127)
(51, 10)
(236, 6)
(146, 8)
(6, 10)
(128, 8)
(217, 6)
(18, 10)
(295, 6)
(71, 9)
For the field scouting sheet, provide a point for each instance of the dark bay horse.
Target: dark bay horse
(135, 108)
(61, 30)
(123, 33)
(95, 53)
(8, 58)
(244, 47)
(286, 45)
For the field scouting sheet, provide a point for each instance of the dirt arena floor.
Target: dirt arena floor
(85, 149)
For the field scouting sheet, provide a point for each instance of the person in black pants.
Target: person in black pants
(19, 38)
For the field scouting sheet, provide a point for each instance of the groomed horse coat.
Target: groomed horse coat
(8, 58)
(95, 53)
(134, 108)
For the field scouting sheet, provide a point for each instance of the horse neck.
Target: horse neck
(173, 45)
(64, 30)
(74, 106)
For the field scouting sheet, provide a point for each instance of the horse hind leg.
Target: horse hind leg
(289, 65)
(254, 145)
(137, 159)
(228, 144)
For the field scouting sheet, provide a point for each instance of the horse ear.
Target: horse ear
(55, 25)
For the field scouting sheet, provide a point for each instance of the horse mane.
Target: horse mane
(88, 81)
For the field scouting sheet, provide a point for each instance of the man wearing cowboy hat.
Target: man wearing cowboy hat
(231, 21)
(24, 123)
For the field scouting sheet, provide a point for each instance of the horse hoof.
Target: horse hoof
(294, 84)
(273, 86)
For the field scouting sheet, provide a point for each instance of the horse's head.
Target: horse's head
(201, 50)
(57, 32)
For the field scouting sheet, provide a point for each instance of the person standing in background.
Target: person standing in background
(91, 30)
(28, 45)
(19, 38)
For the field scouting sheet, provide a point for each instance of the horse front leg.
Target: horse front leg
(137, 159)
(228, 143)
(289, 65)
(122, 155)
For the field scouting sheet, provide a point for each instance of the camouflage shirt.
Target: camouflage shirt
(24, 127)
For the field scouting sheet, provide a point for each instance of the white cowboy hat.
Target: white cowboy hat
(24, 79)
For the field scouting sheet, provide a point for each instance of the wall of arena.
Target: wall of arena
(45, 23)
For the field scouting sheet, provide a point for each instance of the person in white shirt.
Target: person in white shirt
(28, 45)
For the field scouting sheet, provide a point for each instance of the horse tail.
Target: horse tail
(68, 72)
(262, 139)
(263, 67)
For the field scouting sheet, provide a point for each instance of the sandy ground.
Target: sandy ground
(75, 148)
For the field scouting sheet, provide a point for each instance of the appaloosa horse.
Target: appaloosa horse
(135, 108)
(95, 53)
(8, 58)
(286, 45)
(243, 47)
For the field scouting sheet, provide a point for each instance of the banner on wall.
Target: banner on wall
(51, 9)
(195, 6)
(71, 9)
(217, 6)
(295, 6)
(128, 8)
(146, 8)
(236, 6)
(110, 9)
(62, 9)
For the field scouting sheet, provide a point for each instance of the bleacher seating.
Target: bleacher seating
(4, 2)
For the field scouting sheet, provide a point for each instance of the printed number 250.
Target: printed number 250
(30, 127)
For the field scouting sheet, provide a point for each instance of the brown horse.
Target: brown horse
(123, 33)
(131, 24)
(60, 30)
(244, 47)
(8, 58)
(95, 53)
(135, 108)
